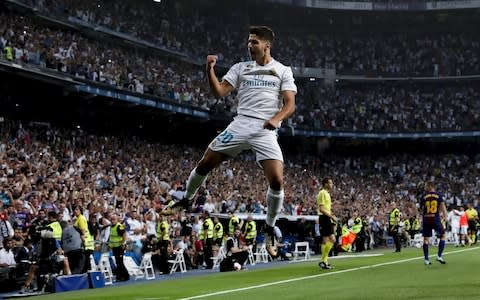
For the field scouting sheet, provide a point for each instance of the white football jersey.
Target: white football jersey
(259, 87)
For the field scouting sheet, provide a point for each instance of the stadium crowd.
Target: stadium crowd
(370, 107)
(52, 167)
(388, 107)
(178, 28)
(65, 173)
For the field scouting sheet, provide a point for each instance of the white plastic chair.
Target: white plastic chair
(301, 248)
(133, 269)
(93, 264)
(261, 256)
(178, 262)
(417, 240)
(251, 257)
(217, 259)
(147, 266)
(106, 268)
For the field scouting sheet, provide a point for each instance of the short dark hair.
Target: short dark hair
(263, 32)
(52, 214)
(325, 180)
(64, 224)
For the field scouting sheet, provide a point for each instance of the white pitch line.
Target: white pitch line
(337, 257)
(316, 276)
(355, 256)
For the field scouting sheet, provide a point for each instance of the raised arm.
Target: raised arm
(219, 89)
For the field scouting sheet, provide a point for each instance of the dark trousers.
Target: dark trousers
(396, 238)
(87, 266)
(120, 271)
(163, 259)
(240, 257)
(76, 260)
(208, 252)
(7, 279)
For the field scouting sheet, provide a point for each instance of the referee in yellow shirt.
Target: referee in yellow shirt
(327, 221)
(472, 217)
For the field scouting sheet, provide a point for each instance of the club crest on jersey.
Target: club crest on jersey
(249, 67)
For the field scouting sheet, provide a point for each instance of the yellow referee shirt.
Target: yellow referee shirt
(472, 213)
(323, 198)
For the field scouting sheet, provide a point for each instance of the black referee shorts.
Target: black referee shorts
(327, 227)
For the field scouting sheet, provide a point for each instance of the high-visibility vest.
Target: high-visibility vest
(163, 229)
(232, 224)
(57, 230)
(250, 230)
(347, 238)
(218, 231)
(8, 53)
(394, 217)
(115, 240)
(357, 225)
(406, 225)
(415, 224)
(209, 226)
(89, 242)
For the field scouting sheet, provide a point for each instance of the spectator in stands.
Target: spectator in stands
(6, 229)
(7, 263)
(72, 246)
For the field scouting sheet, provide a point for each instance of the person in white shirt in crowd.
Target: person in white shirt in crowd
(6, 229)
(7, 258)
(104, 234)
(151, 223)
(137, 227)
(197, 224)
(136, 232)
(62, 208)
(7, 262)
(209, 206)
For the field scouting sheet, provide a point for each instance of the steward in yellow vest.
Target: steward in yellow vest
(163, 235)
(55, 226)
(393, 226)
(217, 232)
(250, 232)
(206, 235)
(233, 223)
(117, 240)
(88, 241)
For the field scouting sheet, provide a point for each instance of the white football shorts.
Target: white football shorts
(245, 133)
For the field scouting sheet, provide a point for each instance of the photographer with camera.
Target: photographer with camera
(236, 253)
(48, 256)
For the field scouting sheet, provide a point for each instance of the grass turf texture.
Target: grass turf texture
(390, 276)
